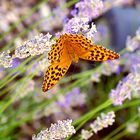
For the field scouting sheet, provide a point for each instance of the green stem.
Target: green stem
(120, 135)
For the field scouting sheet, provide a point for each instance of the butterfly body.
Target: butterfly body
(68, 48)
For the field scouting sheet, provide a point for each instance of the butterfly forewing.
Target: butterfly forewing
(55, 54)
(60, 63)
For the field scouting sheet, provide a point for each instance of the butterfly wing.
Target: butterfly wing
(61, 56)
(97, 53)
(60, 62)
(89, 51)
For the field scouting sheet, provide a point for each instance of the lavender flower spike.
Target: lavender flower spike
(85, 134)
(89, 8)
(58, 131)
(5, 59)
(129, 85)
(102, 122)
(35, 46)
(76, 25)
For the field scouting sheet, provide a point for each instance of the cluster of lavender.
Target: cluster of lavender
(101, 122)
(78, 24)
(58, 131)
(93, 9)
(127, 87)
(36, 46)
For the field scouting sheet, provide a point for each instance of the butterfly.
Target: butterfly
(70, 48)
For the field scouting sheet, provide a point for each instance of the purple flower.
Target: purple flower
(132, 44)
(73, 98)
(85, 134)
(103, 121)
(79, 25)
(110, 67)
(129, 85)
(57, 131)
(36, 46)
(76, 25)
(131, 59)
(15, 63)
(74, 12)
(89, 8)
(138, 33)
(135, 69)
(5, 59)
(96, 77)
(91, 32)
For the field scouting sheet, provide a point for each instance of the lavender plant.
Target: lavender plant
(111, 87)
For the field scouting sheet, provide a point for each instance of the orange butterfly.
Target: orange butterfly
(68, 48)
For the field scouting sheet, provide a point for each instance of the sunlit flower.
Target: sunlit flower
(102, 122)
(85, 134)
(89, 8)
(79, 25)
(58, 131)
(132, 44)
(110, 67)
(126, 87)
(131, 59)
(138, 33)
(91, 32)
(132, 127)
(44, 10)
(95, 77)
(35, 46)
(76, 25)
(5, 59)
